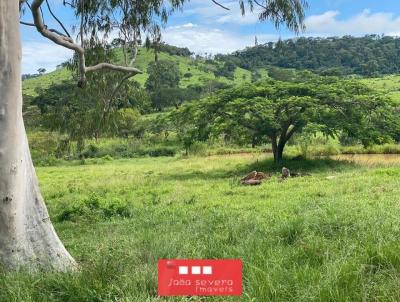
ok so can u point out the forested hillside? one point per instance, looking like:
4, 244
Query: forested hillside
367, 56
371, 55
198, 76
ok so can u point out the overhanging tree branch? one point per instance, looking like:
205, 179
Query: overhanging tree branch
220, 5
33, 25
290, 12
69, 43
113, 67
26, 23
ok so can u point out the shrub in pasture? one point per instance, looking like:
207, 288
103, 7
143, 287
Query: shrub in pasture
95, 207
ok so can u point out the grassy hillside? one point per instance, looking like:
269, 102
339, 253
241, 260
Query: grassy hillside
200, 70
390, 85
29, 86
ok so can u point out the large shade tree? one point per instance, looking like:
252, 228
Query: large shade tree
276, 111
27, 237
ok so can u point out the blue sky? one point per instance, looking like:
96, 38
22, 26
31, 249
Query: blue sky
206, 28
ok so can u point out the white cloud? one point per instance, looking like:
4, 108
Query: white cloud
202, 39
187, 25
325, 21
365, 22
210, 13
238, 19
47, 55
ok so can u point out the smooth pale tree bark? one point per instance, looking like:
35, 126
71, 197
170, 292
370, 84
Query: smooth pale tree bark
27, 237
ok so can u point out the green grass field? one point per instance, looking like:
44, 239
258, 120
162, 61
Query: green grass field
305, 239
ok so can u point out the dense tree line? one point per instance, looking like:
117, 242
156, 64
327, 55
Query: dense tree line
175, 51
369, 56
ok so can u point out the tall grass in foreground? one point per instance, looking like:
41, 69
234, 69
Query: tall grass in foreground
313, 238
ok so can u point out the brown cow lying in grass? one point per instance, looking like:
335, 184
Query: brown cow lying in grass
256, 178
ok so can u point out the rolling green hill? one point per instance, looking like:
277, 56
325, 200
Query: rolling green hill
200, 70
30, 85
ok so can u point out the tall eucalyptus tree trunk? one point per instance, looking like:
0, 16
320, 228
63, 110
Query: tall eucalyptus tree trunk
27, 237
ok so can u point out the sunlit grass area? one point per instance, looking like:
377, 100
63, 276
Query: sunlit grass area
371, 160
330, 236
389, 85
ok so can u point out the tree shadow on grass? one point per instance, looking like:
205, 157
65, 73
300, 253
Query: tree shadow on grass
317, 165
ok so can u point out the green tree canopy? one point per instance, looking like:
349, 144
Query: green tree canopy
162, 74
277, 110
334, 56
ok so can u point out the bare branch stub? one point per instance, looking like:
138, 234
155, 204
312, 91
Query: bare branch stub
69, 43
26, 23
220, 5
